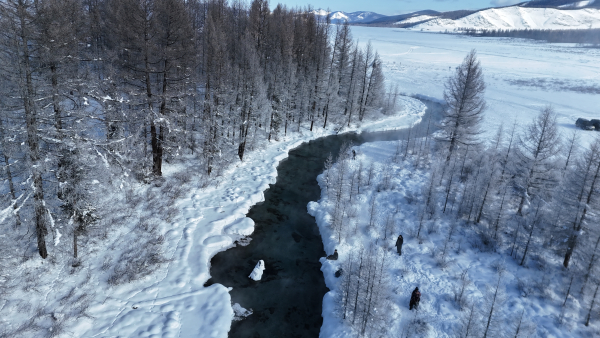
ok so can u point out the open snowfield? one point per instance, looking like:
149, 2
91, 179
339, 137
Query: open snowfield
522, 76
516, 17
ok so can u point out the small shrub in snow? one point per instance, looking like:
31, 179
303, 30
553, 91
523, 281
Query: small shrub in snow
499, 266
525, 287
23, 306
542, 286
470, 322
182, 177
417, 328
405, 271
431, 228
57, 328
461, 287
410, 198
106, 263
68, 296
137, 262
173, 190
476, 244
489, 244
443, 262
521, 326
76, 265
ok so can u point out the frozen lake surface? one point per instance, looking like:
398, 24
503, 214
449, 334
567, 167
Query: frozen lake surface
522, 76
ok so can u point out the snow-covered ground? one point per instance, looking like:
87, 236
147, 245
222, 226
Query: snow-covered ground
420, 264
522, 76
516, 17
171, 302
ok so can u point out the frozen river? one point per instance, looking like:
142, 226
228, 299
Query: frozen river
287, 301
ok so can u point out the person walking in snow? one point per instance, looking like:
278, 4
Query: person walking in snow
353, 154
415, 298
399, 242
333, 257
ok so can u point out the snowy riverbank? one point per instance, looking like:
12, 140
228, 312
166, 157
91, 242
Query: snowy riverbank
390, 203
173, 301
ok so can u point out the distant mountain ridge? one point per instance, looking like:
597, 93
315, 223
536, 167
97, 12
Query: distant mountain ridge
516, 17
535, 14
354, 17
563, 4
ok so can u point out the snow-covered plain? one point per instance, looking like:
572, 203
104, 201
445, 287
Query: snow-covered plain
516, 17
522, 76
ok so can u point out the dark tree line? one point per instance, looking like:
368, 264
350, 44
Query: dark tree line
580, 36
95, 92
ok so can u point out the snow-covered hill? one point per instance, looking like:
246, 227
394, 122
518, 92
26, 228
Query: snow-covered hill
517, 17
560, 3
354, 17
415, 19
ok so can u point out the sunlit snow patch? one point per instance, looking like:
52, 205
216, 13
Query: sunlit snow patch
243, 227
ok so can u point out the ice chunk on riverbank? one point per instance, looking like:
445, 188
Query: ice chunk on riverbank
239, 312
258, 270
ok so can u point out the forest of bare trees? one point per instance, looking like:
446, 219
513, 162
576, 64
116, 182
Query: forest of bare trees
98, 92
529, 193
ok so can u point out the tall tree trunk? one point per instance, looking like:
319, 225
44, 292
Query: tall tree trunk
589, 315
572, 241
489, 319
75, 243
590, 266
28, 93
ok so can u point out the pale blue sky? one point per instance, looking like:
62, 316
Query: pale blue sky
392, 7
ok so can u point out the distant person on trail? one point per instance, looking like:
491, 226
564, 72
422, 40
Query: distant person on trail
353, 154
399, 242
415, 298
333, 257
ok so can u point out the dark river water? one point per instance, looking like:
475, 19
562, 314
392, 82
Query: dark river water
287, 302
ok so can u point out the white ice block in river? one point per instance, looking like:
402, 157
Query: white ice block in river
258, 270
